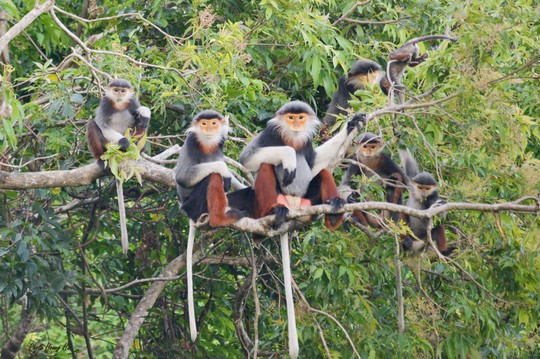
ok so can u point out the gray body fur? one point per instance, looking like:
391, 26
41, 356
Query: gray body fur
193, 166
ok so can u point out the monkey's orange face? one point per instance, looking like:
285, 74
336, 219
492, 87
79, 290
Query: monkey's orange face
296, 121
421, 192
119, 95
371, 149
210, 127
369, 78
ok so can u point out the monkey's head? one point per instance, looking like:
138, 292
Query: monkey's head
211, 127
369, 145
424, 187
363, 72
296, 122
119, 92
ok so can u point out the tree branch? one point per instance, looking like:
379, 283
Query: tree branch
351, 10
25, 22
147, 302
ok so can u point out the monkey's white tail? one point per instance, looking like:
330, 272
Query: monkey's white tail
189, 265
291, 318
122, 212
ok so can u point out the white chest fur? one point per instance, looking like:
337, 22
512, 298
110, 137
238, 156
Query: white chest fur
121, 121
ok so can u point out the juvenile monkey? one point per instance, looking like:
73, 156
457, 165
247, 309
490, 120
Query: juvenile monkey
406, 55
118, 111
423, 194
369, 152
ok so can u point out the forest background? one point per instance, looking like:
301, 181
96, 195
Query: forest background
67, 290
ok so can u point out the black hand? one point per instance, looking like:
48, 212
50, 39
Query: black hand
288, 177
407, 243
359, 121
143, 122
124, 144
281, 215
227, 183
336, 203
353, 197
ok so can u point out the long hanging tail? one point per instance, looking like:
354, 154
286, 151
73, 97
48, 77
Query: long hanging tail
189, 265
291, 318
122, 212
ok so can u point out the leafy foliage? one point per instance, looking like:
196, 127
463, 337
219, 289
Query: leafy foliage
245, 59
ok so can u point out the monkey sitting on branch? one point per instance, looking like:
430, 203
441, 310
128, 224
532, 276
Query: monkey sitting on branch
202, 178
291, 174
423, 194
372, 160
118, 112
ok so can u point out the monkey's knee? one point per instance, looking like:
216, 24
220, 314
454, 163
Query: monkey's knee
225, 219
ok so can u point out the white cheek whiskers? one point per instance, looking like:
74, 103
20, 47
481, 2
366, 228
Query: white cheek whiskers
297, 138
210, 140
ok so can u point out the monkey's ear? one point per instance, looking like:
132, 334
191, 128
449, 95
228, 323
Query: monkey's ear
225, 120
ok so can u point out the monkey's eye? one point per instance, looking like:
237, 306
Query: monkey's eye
291, 118
123, 90
300, 117
214, 123
203, 123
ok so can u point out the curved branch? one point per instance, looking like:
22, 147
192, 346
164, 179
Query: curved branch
430, 38
351, 10
369, 22
147, 302
25, 22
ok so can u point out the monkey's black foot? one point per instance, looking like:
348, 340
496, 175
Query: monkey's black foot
448, 251
418, 60
105, 170
227, 183
353, 197
346, 225
124, 144
132, 192
288, 177
407, 244
359, 121
281, 215
336, 203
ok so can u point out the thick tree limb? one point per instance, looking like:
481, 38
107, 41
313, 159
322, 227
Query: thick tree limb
79, 176
141, 311
262, 226
12, 347
25, 22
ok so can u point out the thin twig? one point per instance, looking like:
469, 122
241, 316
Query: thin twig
311, 309
351, 10
368, 22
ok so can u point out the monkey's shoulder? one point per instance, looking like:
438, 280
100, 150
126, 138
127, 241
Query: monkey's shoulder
269, 137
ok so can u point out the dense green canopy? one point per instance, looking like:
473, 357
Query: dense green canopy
61, 264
